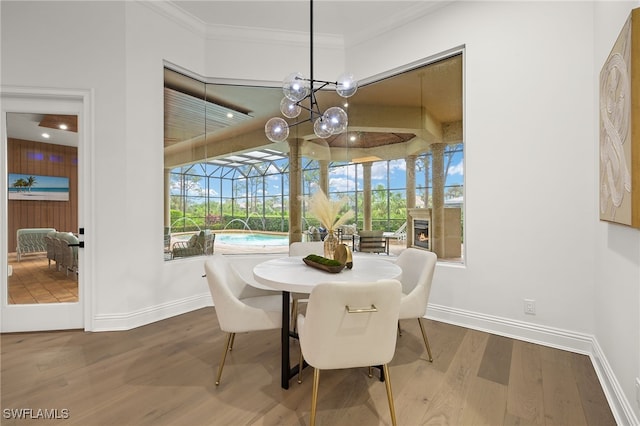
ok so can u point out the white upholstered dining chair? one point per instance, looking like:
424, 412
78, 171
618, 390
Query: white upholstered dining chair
302, 248
350, 325
239, 307
417, 267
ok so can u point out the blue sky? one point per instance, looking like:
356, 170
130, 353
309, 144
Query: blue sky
343, 178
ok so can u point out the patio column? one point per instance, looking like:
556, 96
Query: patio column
366, 196
437, 197
295, 190
324, 176
167, 197
410, 182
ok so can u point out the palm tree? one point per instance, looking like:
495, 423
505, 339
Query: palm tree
31, 181
20, 183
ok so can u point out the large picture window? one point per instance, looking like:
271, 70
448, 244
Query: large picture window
401, 153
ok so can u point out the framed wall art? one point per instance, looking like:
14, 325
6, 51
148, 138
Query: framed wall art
620, 128
38, 188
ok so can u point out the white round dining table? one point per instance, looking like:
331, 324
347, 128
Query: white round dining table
293, 275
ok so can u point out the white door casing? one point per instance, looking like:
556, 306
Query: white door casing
50, 316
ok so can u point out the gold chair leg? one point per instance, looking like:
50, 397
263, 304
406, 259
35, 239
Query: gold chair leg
294, 314
300, 366
233, 340
426, 341
227, 347
370, 372
399, 330
387, 384
314, 395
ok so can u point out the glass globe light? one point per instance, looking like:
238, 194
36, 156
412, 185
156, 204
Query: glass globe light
276, 129
321, 129
295, 87
347, 85
289, 108
336, 119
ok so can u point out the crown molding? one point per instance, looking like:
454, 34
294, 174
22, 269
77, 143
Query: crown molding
403, 16
170, 10
266, 35
174, 13
397, 20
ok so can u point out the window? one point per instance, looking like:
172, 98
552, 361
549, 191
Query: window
403, 146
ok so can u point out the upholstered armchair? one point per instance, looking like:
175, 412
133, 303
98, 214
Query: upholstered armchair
65, 251
198, 244
167, 239
348, 233
31, 240
372, 242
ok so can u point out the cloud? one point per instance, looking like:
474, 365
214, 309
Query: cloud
341, 184
397, 165
379, 168
456, 169
341, 170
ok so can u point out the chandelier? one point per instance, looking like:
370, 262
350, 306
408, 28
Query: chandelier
297, 89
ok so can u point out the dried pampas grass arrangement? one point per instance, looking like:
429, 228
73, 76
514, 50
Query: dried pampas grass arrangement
327, 211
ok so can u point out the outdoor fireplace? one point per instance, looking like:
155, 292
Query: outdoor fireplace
421, 233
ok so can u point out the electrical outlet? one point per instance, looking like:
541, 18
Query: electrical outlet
529, 306
638, 390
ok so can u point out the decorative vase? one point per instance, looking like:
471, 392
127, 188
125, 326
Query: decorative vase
330, 244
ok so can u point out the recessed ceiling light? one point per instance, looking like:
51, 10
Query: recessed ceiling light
46, 135
63, 126
229, 115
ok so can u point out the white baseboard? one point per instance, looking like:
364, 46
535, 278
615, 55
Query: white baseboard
129, 320
620, 405
547, 336
534, 333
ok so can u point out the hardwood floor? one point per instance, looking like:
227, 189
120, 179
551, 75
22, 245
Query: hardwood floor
163, 374
34, 281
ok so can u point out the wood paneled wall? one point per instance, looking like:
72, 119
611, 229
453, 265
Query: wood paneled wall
29, 157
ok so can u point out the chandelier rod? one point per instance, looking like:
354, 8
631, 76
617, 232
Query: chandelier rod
311, 41
312, 99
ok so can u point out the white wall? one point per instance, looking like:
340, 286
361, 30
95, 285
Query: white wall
80, 46
154, 288
529, 105
256, 57
530, 132
617, 248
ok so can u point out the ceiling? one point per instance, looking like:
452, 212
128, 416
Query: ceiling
377, 114
31, 127
338, 18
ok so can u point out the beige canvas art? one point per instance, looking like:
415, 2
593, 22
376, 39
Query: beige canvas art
620, 128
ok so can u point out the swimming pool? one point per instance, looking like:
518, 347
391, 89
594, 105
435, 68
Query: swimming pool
242, 239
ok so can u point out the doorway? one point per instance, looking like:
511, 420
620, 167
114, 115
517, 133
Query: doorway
43, 142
